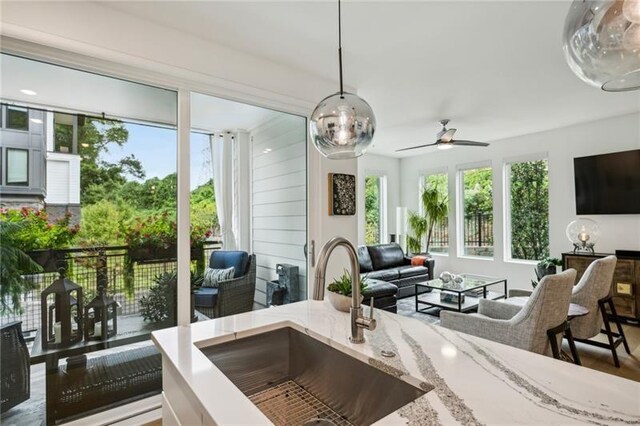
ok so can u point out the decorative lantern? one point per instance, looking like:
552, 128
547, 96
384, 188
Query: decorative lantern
100, 317
583, 233
61, 313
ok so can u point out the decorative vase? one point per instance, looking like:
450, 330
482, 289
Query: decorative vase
341, 302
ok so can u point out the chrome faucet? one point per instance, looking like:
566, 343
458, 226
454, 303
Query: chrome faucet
358, 321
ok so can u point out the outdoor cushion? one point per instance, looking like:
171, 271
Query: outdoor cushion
213, 276
221, 259
384, 275
384, 256
412, 271
364, 259
206, 296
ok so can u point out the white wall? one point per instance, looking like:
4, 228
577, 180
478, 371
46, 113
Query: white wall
377, 165
561, 146
279, 198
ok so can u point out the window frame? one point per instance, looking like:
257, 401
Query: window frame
422, 175
460, 211
5, 120
506, 204
382, 188
6, 169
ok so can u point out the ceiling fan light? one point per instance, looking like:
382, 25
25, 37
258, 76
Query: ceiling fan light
342, 126
445, 145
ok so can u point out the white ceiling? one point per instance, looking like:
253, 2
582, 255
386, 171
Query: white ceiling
212, 114
495, 68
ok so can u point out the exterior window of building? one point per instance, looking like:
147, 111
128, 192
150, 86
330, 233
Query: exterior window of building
63, 132
439, 236
527, 207
477, 212
17, 118
17, 166
374, 210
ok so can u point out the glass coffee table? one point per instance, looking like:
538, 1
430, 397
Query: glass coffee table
464, 299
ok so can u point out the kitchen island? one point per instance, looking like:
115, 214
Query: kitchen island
470, 380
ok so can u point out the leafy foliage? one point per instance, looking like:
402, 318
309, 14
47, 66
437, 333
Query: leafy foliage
478, 191
530, 210
343, 285
372, 209
435, 208
37, 231
160, 304
15, 263
103, 223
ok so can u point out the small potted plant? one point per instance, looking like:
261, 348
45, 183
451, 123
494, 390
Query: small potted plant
340, 291
546, 266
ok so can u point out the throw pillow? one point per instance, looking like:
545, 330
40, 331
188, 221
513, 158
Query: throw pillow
213, 276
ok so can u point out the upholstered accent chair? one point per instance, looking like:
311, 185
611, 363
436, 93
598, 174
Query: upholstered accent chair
15, 370
593, 291
522, 327
232, 296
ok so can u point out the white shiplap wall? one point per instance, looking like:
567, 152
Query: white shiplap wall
279, 199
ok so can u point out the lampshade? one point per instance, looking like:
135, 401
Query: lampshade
342, 126
583, 233
602, 43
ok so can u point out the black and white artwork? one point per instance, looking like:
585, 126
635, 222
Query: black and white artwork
342, 194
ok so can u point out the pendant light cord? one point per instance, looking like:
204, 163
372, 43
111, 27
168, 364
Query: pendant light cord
340, 49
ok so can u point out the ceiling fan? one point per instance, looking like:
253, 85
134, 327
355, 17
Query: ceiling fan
445, 139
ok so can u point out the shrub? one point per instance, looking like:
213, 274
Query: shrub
103, 224
37, 232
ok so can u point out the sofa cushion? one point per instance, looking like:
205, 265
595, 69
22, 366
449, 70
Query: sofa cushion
384, 256
378, 288
206, 296
221, 259
364, 259
412, 271
384, 275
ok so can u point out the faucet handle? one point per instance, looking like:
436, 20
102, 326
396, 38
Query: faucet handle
371, 308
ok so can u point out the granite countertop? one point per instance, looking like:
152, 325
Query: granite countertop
474, 381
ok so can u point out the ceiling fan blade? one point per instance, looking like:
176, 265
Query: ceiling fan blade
469, 143
448, 135
416, 147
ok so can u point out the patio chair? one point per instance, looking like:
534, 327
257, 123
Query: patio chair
15, 370
525, 328
232, 296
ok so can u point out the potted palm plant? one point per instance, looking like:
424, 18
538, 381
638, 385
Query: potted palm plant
435, 208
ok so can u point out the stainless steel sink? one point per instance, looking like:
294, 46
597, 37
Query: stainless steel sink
295, 379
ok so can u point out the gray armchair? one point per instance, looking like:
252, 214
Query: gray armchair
232, 296
522, 327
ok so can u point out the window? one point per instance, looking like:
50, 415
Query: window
477, 212
17, 166
527, 207
374, 209
17, 118
438, 236
63, 132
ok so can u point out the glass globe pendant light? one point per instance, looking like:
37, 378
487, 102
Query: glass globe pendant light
602, 43
343, 124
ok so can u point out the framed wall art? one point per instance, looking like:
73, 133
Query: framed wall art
342, 194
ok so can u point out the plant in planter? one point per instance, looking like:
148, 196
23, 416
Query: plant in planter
40, 237
544, 267
160, 305
340, 291
435, 208
13, 268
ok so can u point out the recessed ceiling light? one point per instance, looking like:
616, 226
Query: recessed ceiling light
28, 92
36, 120
267, 150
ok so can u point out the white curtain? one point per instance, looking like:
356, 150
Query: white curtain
222, 163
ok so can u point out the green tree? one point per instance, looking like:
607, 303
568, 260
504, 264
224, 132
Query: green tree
478, 191
435, 208
530, 210
372, 209
100, 178
103, 223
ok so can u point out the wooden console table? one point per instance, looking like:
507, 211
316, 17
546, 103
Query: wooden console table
625, 286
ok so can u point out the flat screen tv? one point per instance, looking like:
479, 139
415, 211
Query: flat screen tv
608, 183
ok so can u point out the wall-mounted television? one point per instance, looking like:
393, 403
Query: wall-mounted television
608, 183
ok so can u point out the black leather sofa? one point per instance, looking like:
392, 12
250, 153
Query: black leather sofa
387, 263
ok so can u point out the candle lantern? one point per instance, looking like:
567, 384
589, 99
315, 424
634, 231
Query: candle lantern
101, 317
61, 313
583, 233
